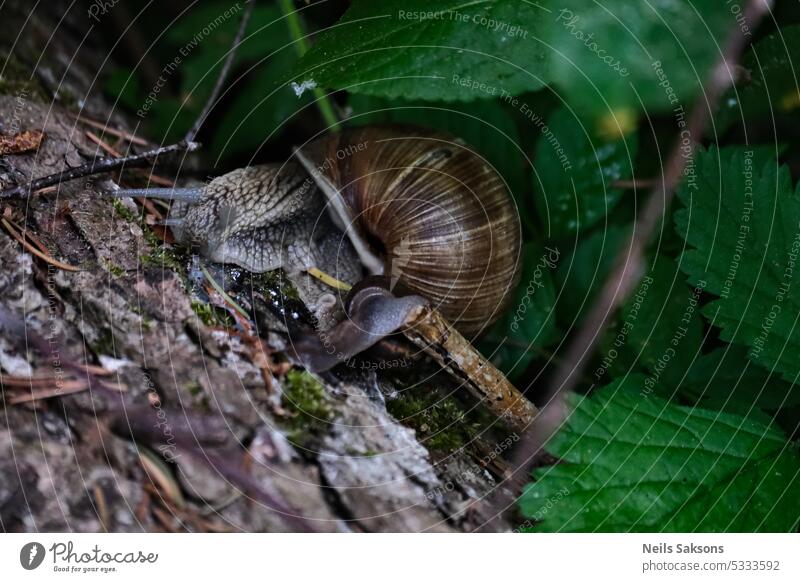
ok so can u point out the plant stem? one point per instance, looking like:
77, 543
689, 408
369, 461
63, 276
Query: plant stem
300, 38
223, 75
218, 288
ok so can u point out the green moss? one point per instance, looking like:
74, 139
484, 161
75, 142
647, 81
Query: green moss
199, 396
67, 98
161, 256
123, 211
439, 421
104, 343
211, 315
305, 399
194, 388
115, 270
368, 453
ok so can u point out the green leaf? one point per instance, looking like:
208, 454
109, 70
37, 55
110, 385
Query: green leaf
463, 50
487, 126
622, 54
726, 380
530, 321
771, 82
742, 218
659, 329
453, 50
574, 170
636, 463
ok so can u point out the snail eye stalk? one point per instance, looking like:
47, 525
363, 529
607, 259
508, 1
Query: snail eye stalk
181, 194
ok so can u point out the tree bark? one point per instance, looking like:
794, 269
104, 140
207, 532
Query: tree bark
125, 333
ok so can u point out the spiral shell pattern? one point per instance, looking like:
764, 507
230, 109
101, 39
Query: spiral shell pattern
437, 215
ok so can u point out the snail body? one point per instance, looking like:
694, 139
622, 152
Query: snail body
415, 205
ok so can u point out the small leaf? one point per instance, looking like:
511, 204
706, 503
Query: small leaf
412, 49
574, 172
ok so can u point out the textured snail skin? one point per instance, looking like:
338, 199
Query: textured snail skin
263, 218
448, 228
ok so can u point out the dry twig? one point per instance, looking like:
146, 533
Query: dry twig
14, 231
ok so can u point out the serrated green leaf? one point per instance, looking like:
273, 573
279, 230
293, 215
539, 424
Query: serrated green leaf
726, 379
415, 49
635, 463
742, 218
596, 53
530, 322
574, 171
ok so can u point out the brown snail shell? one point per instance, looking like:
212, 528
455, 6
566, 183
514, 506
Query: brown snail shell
422, 208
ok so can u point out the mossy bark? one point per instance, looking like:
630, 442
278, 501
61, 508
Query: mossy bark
331, 450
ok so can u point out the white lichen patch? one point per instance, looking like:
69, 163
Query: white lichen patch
300, 88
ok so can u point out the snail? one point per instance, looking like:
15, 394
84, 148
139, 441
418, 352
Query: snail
429, 220
415, 205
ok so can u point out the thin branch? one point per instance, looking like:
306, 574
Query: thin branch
631, 262
226, 67
97, 166
104, 165
640, 184
104, 128
224, 295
